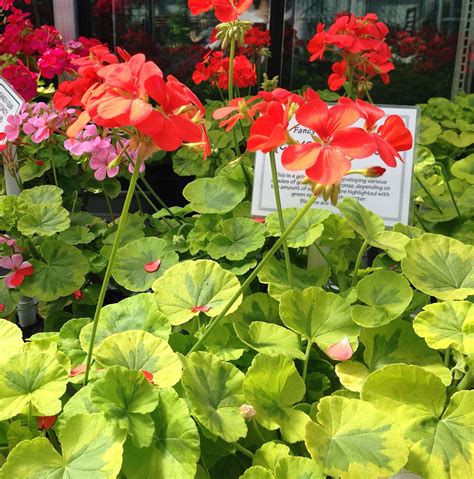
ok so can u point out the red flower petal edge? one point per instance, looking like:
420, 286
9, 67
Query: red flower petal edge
148, 375
152, 266
200, 309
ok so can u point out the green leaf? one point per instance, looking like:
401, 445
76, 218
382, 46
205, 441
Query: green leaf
387, 295
306, 232
353, 440
269, 338
139, 350
77, 235
273, 395
270, 454
215, 392
174, 451
257, 307
447, 324
223, 342
80, 403
257, 472
11, 340
320, 317
393, 243
429, 131
214, 195
352, 374
69, 342
129, 267
31, 377
440, 266
440, 438
44, 220
9, 298
292, 467
239, 237
60, 271
138, 312
274, 274
42, 195
90, 448
460, 140
193, 286
397, 343
366, 223
9, 212
464, 169
125, 397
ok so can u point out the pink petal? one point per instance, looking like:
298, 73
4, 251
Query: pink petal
200, 309
152, 266
341, 351
77, 370
17, 259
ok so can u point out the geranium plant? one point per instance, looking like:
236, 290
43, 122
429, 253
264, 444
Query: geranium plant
228, 356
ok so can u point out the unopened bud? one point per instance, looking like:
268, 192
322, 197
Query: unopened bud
341, 351
372, 172
247, 412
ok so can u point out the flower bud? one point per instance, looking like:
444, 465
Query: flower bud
341, 351
374, 171
247, 412
46, 422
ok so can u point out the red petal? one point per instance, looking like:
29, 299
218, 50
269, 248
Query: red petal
331, 165
340, 117
300, 157
200, 309
46, 422
153, 266
354, 142
77, 370
313, 115
148, 376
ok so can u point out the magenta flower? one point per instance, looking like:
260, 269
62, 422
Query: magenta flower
88, 141
40, 127
341, 351
20, 269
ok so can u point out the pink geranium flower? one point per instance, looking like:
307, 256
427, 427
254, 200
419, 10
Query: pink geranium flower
100, 161
12, 128
20, 269
40, 127
88, 141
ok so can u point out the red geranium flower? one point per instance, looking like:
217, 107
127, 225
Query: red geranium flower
393, 136
225, 10
328, 158
338, 77
20, 269
46, 422
269, 131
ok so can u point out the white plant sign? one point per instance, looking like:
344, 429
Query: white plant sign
389, 196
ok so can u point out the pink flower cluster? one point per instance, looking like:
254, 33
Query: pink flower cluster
102, 152
39, 120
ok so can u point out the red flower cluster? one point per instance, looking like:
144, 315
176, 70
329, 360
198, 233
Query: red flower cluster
122, 96
225, 10
337, 141
361, 42
42, 47
426, 50
215, 68
255, 38
7, 4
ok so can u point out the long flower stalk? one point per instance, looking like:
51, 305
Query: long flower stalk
110, 264
276, 190
254, 273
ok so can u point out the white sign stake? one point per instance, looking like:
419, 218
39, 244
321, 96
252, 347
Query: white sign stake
388, 196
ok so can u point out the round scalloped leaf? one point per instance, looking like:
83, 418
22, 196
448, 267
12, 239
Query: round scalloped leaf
214, 195
367, 224
33, 377
174, 451
139, 350
274, 274
393, 242
131, 268
214, 389
440, 438
321, 317
269, 454
447, 324
191, 287
238, 237
440, 266
386, 295
257, 472
412, 395
296, 467
138, 312
60, 272
44, 220
269, 338
90, 446
272, 386
11, 340
305, 233
397, 343
257, 307
464, 169
353, 440
69, 342
352, 374
125, 397
77, 235
42, 195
